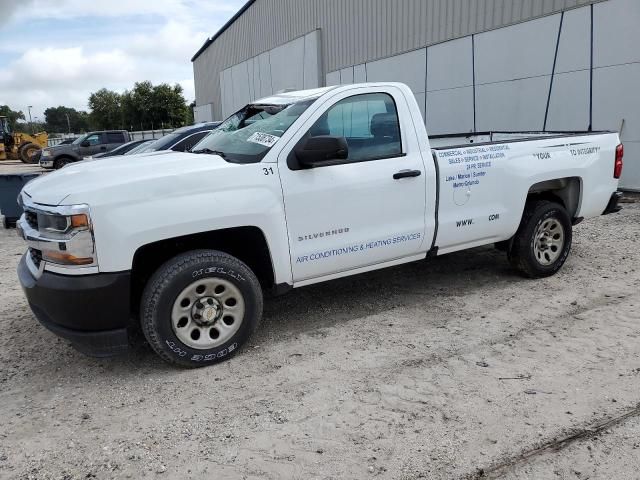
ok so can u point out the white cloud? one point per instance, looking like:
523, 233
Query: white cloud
46, 73
175, 41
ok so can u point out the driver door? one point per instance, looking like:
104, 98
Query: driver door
96, 145
359, 212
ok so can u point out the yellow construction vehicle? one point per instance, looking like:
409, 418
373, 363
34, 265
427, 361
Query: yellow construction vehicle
20, 146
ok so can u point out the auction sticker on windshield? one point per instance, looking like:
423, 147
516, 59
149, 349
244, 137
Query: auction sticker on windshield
263, 139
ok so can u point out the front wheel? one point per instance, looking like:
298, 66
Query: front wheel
61, 162
543, 241
200, 307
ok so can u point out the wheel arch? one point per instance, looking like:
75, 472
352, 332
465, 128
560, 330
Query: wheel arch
62, 156
247, 243
567, 191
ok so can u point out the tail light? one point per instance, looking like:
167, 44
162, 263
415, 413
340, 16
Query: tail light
617, 167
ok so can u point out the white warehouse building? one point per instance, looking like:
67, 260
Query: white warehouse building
473, 65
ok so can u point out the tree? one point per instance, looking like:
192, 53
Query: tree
147, 106
143, 107
12, 115
106, 111
65, 119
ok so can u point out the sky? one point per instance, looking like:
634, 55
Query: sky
56, 52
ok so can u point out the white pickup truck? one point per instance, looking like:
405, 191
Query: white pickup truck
294, 189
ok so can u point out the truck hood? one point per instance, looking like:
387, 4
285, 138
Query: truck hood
56, 149
82, 181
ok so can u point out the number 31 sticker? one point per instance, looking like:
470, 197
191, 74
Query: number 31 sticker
263, 139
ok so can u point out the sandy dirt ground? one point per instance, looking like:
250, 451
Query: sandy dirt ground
455, 368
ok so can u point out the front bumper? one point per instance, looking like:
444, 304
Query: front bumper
91, 311
46, 162
612, 206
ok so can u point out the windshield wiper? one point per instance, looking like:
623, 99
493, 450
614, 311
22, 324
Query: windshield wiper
209, 151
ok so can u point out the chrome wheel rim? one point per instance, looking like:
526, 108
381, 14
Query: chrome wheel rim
207, 313
548, 241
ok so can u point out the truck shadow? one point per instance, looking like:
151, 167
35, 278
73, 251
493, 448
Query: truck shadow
410, 285
311, 309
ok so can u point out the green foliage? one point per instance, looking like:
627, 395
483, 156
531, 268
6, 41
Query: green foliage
143, 107
64, 119
106, 109
12, 115
147, 106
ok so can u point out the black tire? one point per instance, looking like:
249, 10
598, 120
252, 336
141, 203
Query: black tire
27, 152
58, 163
162, 292
522, 254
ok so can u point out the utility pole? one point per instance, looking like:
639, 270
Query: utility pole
30, 122
68, 123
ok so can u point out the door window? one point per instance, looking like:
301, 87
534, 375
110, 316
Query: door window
95, 139
115, 137
368, 122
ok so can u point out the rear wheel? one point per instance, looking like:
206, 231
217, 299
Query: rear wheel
27, 152
543, 241
200, 307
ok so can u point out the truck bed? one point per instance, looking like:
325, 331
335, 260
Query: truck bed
484, 179
460, 140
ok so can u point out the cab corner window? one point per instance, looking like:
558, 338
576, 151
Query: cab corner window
368, 123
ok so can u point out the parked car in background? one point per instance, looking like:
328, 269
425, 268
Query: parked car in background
182, 139
123, 149
84, 146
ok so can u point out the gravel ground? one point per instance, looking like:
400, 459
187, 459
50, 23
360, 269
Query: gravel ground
454, 368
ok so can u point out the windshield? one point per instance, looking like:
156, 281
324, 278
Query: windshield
79, 140
247, 135
139, 148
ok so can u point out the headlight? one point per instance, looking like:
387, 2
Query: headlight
46, 153
63, 234
62, 225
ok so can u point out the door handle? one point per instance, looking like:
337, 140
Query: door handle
103, 148
406, 174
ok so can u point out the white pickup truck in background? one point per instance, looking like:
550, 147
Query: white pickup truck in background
293, 189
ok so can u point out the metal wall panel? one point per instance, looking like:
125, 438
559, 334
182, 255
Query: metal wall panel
293, 65
450, 111
359, 73
512, 105
408, 68
520, 51
569, 102
631, 172
333, 78
616, 98
616, 33
574, 51
450, 65
346, 76
357, 31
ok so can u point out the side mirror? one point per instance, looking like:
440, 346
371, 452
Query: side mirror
85, 144
321, 150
